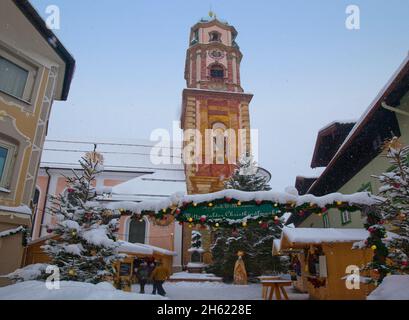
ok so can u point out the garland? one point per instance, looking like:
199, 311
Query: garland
181, 213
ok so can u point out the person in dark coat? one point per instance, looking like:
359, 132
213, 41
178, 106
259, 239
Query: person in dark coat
143, 275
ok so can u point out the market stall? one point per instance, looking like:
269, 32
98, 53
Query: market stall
324, 256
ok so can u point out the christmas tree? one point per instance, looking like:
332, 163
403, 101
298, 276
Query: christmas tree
196, 240
255, 239
84, 246
391, 214
246, 176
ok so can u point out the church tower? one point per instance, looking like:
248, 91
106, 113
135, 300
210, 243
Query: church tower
214, 106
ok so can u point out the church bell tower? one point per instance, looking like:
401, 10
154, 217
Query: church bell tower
214, 106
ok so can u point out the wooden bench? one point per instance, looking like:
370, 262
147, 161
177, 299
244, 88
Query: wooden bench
275, 286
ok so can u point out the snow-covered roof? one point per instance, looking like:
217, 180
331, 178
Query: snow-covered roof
143, 188
321, 235
139, 248
119, 155
362, 198
23, 209
179, 198
300, 237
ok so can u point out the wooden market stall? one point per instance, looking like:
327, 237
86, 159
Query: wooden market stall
324, 255
35, 254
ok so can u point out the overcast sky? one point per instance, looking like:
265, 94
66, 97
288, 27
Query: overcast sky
303, 66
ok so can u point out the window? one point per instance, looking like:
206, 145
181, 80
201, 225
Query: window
220, 146
217, 72
195, 36
17, 76
13, 78
325, 220
7, 154
345, 217
214, 36
137, 231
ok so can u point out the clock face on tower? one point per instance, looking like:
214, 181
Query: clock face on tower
216, 54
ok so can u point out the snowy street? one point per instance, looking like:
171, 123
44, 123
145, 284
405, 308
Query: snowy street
215, 291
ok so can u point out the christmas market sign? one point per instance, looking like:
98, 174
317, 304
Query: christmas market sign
230, 207
230, 211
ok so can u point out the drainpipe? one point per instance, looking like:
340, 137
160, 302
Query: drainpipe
45, 200
393, 109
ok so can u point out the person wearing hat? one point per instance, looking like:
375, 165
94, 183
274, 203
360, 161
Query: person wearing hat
159, 275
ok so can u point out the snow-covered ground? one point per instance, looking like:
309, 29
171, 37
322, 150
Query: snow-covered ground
215, 291
69, 290
194, 276
393, 287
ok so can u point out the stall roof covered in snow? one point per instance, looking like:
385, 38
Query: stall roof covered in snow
299, 237
323, 235
139, 248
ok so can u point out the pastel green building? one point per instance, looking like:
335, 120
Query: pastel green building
352, 152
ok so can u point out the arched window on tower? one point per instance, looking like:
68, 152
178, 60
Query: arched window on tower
220, 146
137, 231
215, 36
217, 72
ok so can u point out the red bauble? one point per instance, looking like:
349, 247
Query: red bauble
301, 213
49, 230
405, 263
177, 211
396, 185
277, 221
70, 190
324, 209
228, 199
258, 202
202, 219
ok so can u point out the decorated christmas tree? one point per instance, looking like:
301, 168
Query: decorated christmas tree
255, 239
84, 246
247, 177
196, 242
392, 214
